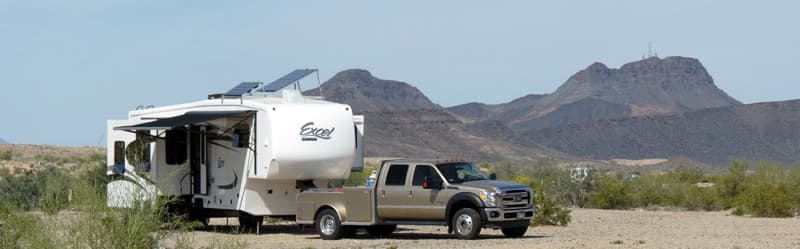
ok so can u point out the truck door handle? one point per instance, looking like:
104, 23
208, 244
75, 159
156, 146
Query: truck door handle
383, 193
409, 194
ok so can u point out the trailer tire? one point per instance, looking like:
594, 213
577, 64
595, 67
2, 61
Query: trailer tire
381, 230
328, 225
514, 232
467, 223
250, 223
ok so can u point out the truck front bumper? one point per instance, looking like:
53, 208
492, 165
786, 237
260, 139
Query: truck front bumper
501, 215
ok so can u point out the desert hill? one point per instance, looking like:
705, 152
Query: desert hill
402, 122
762, 131
366, 93
651, 108
652, 86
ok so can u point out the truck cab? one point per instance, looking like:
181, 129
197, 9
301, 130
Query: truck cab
455, 194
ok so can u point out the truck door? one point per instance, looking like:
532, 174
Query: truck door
393, 193
426, 204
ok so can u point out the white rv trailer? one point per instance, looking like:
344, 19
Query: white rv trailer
245, 153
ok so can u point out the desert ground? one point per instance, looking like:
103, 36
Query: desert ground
590, 228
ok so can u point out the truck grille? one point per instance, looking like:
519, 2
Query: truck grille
516, 198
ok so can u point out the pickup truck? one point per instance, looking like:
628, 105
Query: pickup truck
455, 194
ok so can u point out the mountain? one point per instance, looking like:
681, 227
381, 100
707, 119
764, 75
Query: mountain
651, 86
480, 111
434, 133
762, 131
649, 109
366, 93
402, 122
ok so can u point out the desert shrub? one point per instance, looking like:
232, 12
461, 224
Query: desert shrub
732, 184
769, 193
24, 230
738, 211
95, 176
6, 155
55, 193
699, 198
22, 190
136, 227
550, 212
546, 190
612, 193
767, 200
98, 226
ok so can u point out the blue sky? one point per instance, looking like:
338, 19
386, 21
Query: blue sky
67, 66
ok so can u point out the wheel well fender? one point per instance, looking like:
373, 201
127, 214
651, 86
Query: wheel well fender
462, 200
326, 206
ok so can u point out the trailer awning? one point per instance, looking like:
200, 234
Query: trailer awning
188, 118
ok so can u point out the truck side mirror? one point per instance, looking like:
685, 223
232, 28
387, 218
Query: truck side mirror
434, 183
492, 176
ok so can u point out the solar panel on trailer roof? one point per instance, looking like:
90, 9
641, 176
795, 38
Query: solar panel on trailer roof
286, 80
242, 88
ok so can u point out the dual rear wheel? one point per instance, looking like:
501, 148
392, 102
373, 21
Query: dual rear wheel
329, 227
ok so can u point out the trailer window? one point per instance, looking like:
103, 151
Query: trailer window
241, 136
396, 175
176, 147
119, 152
138, 152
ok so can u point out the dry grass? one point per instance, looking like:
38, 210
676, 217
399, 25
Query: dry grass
39, 157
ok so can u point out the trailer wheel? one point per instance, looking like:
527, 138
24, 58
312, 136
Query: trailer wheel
514, 232
381, 230
328, 225
467, 223
250, 223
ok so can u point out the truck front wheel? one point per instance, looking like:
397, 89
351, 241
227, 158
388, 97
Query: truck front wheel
328, 225
467, 223
514, 232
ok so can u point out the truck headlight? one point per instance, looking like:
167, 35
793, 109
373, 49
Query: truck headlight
489, 198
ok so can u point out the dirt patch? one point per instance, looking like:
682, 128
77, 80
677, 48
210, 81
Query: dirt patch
640, 162
23, 157
590, 229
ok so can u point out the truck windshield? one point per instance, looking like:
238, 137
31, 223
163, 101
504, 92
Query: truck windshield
460, 172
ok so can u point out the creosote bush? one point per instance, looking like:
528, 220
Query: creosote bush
769, 191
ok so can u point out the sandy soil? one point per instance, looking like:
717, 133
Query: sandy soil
589, 229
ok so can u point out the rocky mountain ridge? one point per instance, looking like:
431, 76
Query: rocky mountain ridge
757, 132
653, 108
366, 93
652, 86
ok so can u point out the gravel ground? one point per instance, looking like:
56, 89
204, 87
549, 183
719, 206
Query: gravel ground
589, 229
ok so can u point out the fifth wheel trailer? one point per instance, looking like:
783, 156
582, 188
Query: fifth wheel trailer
246, 153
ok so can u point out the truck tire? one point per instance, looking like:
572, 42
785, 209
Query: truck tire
514, 232
328, 225
467, 223
381, 230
